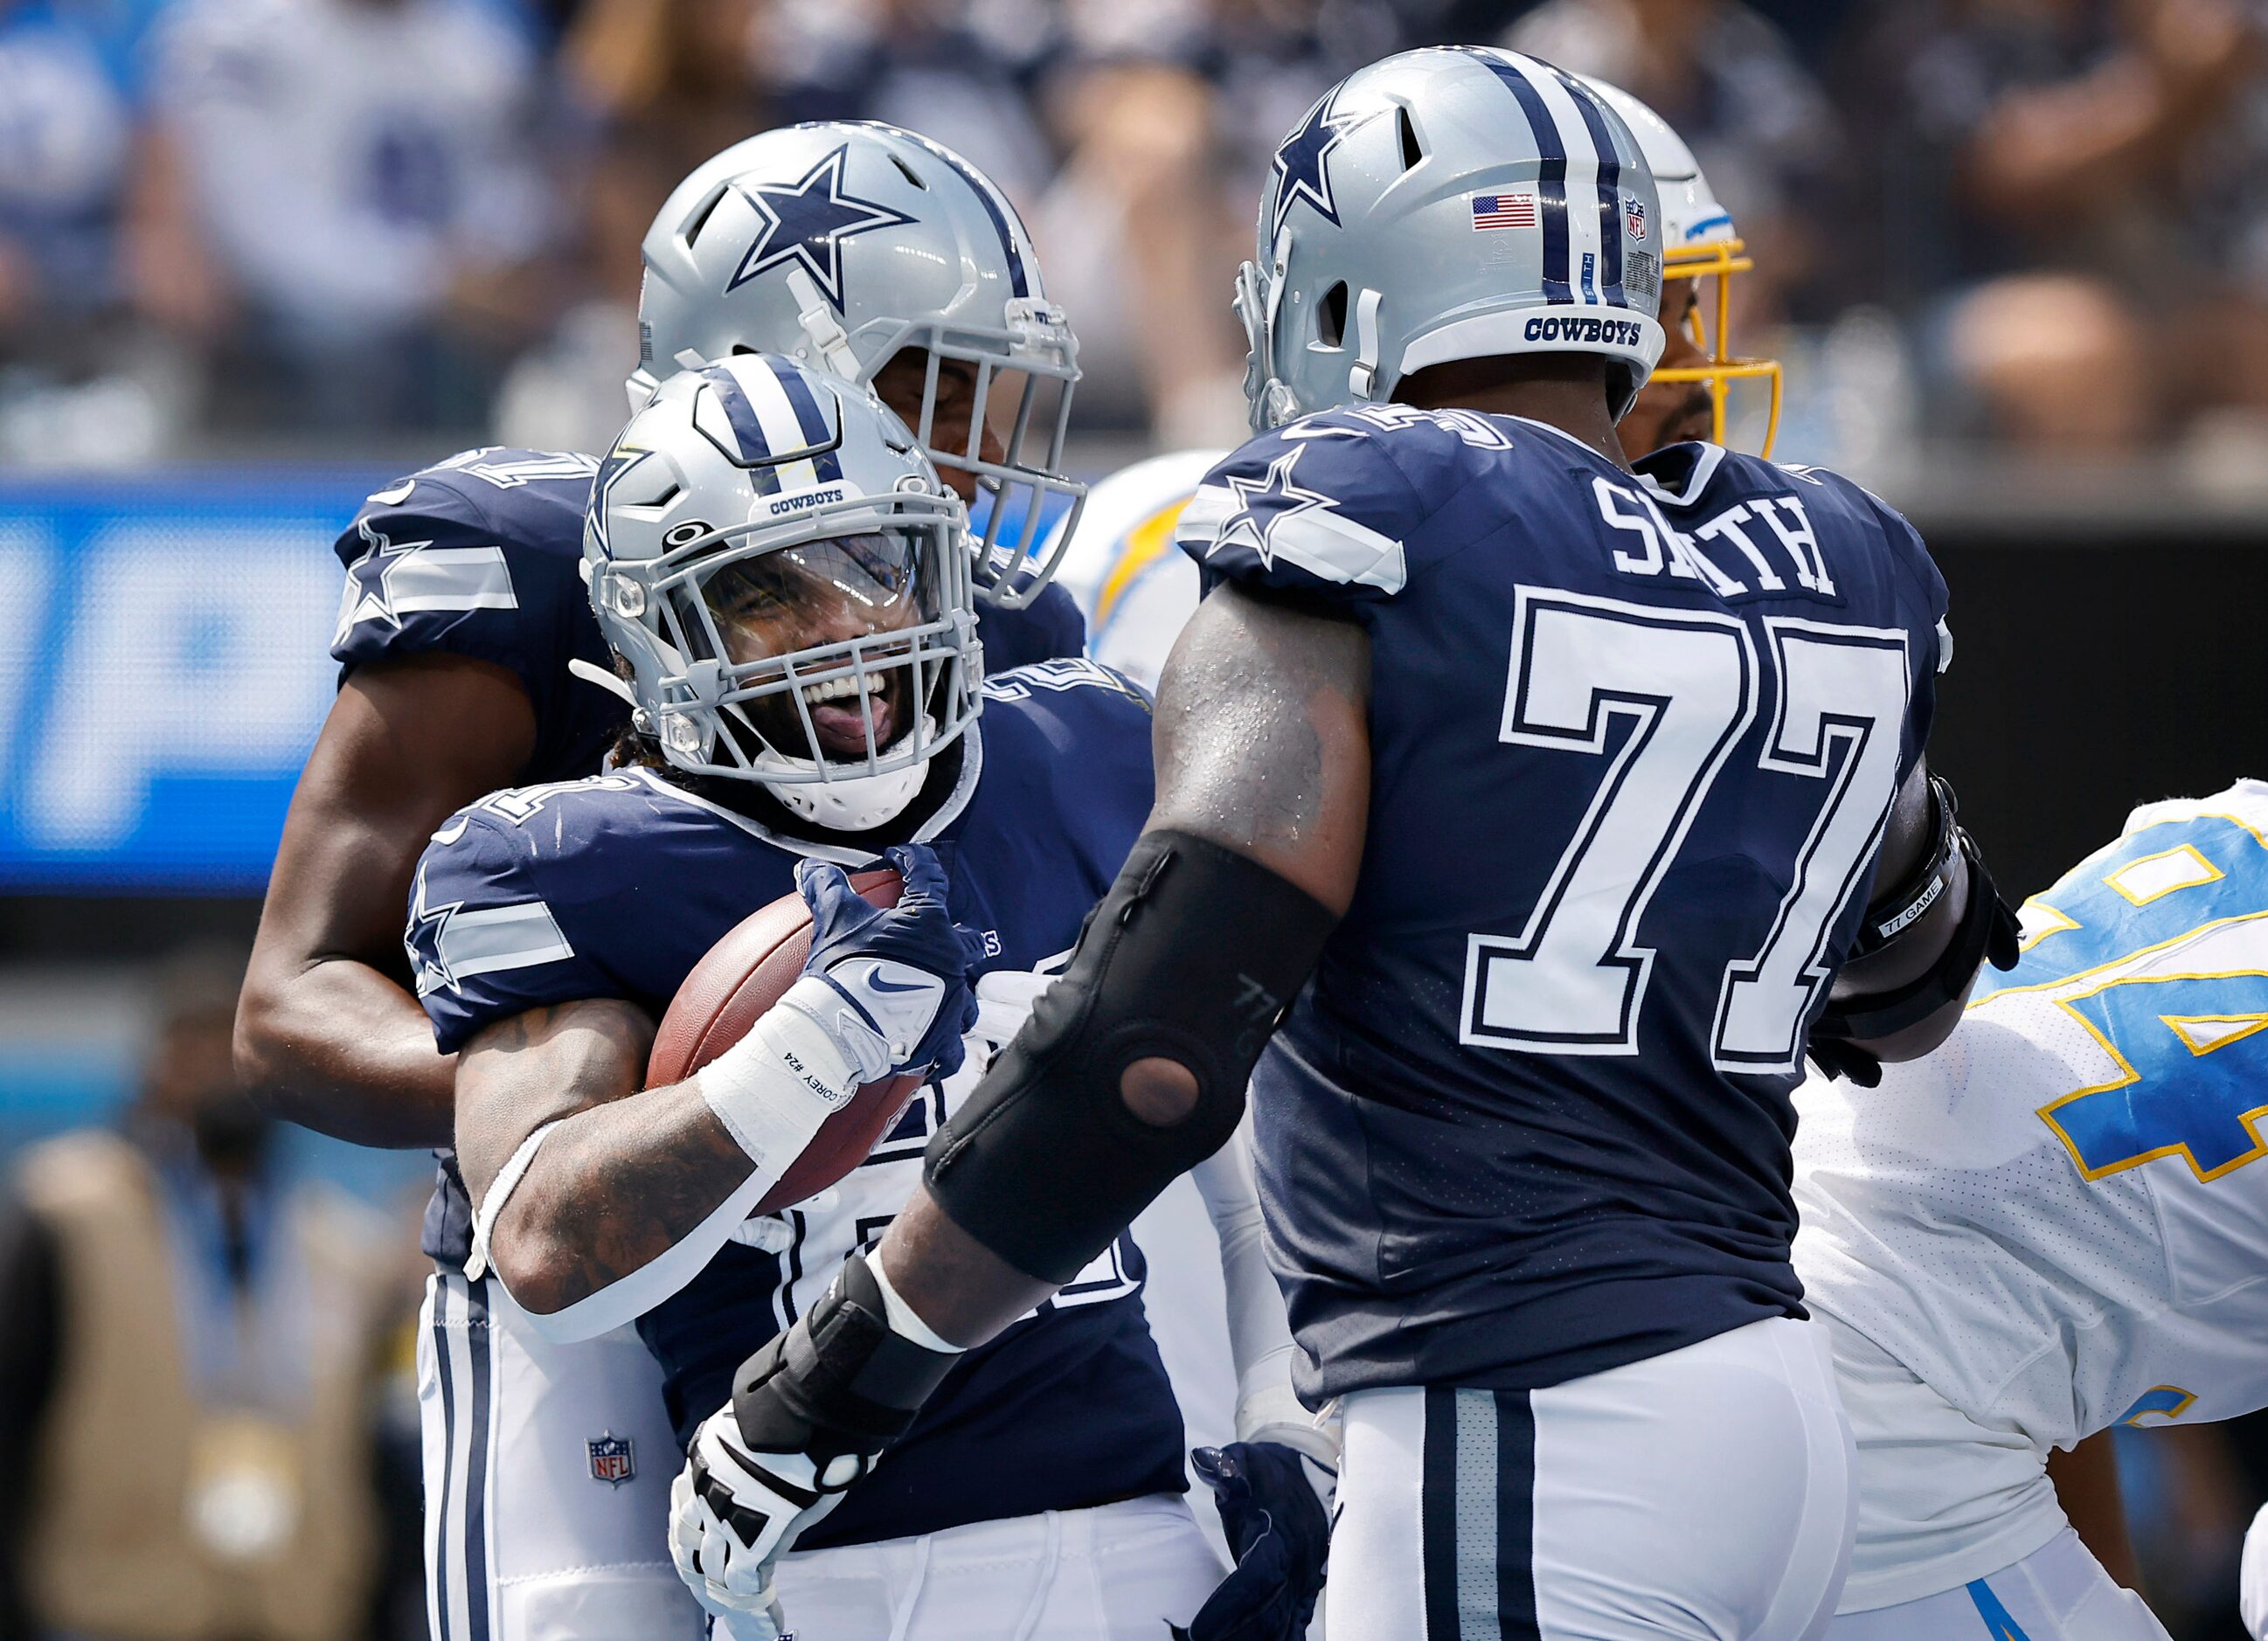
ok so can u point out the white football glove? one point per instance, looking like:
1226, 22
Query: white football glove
732, 1514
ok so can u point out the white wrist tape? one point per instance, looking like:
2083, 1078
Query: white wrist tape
772, 1089
500, 1193
903, 1322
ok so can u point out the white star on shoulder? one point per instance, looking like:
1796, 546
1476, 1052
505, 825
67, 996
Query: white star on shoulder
369, 594
1246, 526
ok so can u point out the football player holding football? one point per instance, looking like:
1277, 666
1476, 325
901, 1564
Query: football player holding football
1523, 975
464, 619
780, 571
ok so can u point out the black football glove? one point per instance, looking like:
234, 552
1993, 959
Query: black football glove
1279, 1534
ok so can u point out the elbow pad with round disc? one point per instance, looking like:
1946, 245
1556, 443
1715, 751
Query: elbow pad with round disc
1194, 957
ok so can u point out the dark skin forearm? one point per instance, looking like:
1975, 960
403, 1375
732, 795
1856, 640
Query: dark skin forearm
327, 1033
627, 1175
1262, 745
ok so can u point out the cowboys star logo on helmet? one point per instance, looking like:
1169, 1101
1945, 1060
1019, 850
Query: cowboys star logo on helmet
848, 245
808, 224
1302, 161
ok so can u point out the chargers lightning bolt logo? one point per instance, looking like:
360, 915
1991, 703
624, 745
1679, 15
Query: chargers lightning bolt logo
807, 222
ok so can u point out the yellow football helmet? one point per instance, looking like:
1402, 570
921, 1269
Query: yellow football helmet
1698, 242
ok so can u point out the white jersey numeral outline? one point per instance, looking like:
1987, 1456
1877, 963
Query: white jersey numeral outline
1574, 980
1846, 684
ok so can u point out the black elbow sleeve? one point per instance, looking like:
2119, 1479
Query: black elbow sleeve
1987, 932
1193, 957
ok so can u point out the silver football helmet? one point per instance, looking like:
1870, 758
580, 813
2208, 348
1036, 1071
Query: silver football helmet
1456, 203
782, 570
839, 244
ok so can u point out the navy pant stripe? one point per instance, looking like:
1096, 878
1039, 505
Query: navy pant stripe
1515, 1516
442, 1548
478, 1337
1437, 1491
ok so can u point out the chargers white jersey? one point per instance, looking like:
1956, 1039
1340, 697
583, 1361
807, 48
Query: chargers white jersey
2053, 1220
1136, 590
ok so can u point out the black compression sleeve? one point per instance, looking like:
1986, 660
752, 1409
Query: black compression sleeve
1194, 956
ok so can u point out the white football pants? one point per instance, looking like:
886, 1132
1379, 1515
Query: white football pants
1117, 1572
1707, 1494
547, 1479
2058, 1593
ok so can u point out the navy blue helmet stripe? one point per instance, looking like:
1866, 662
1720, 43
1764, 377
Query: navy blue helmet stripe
1018, 283
1550, 175
1610, 185
746, 429
812, 420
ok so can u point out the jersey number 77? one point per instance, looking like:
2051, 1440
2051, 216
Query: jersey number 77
1574, 980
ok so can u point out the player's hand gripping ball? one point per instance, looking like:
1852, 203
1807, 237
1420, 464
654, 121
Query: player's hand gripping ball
885, 943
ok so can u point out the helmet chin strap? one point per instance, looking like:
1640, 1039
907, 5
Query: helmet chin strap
1362, 376
853, 804
816, 315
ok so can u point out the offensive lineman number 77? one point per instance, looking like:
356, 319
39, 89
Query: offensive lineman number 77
1574, 980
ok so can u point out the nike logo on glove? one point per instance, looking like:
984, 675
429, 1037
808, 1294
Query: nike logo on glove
877, 983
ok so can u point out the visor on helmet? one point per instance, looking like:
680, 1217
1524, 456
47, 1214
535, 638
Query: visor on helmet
833, 657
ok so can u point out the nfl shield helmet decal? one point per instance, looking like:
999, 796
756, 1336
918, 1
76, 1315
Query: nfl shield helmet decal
612, 1460
1634, 216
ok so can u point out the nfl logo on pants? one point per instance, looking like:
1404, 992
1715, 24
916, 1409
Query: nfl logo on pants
611, 1458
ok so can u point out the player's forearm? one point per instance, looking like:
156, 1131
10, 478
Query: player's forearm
615, 1188
341, 1048
960, 1288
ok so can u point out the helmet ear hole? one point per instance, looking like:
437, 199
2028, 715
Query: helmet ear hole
1330, 316
1413, 150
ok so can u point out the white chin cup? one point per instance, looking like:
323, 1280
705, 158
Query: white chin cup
858, 803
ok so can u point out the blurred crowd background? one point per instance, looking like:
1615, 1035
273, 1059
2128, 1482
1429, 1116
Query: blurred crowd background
257, 257
263, 226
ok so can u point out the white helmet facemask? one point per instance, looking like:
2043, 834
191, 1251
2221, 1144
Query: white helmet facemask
788, 580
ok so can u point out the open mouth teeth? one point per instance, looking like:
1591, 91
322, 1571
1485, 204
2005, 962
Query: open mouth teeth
841, 690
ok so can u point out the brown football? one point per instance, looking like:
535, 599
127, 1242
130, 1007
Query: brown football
743, 974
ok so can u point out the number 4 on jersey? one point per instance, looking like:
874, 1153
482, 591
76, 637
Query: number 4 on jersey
1574, 980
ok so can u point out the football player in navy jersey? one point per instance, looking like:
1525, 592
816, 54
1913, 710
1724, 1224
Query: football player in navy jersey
779, 569
463, 614
1522, 819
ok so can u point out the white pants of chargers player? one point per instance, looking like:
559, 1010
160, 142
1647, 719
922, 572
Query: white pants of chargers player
1704, 1493
547, 1479
1941, 1498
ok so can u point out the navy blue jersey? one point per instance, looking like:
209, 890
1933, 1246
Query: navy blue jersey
1634, 739
615, 887
482, 555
